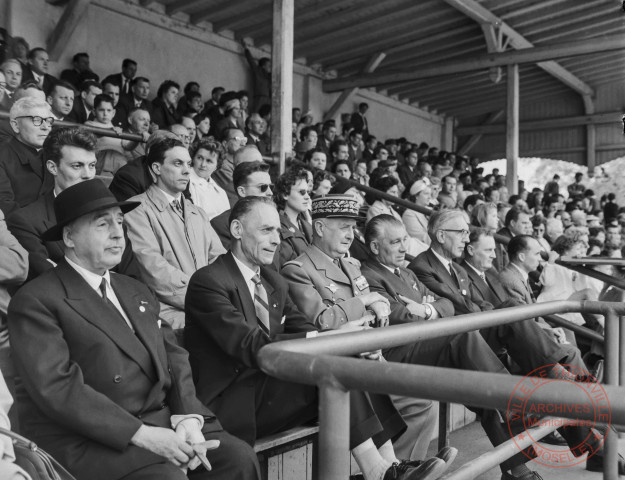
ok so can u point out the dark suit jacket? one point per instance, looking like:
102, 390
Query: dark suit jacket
222, 227
89, 383
23, 177
27, 224
78, 113
490, 291
390, 286
435, 276
126, 104
262, 144
293, 241
163, 116
406, 176
359, 124
117, 79
222, 333
130, 180
72, 76
48, 80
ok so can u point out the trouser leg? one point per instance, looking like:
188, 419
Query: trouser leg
421, 420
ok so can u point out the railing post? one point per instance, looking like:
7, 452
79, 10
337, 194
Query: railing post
611, 377
334, 460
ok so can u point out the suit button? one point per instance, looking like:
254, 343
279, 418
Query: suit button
117, 378
237, 370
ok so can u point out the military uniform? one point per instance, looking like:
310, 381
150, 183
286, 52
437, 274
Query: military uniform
324, 290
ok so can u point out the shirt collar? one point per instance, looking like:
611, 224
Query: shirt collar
168, 197
476, 270
94, 280
246, 271
443, 260
523, 273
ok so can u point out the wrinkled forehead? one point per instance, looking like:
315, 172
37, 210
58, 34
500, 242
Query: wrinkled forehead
37, 112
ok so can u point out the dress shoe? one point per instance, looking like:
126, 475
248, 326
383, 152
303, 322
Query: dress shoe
595, 463
554, 438
531, 475
430, 469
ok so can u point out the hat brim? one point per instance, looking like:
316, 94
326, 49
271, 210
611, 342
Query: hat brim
55, 233
354, 216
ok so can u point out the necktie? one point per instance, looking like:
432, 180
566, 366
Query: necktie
103, 291
482, 276
177, 207
453, 274
261, 304
397, 272
125, 87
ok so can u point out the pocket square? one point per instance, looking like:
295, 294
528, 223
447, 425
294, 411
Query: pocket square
283, 319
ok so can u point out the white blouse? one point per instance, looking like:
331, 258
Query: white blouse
207, 195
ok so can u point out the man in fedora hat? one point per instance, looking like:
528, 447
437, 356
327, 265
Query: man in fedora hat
105, 389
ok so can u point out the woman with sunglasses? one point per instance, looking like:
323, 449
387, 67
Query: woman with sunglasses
206, 157
292, 196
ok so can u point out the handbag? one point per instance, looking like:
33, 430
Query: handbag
35, 461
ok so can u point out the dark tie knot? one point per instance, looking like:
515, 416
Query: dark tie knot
256, 280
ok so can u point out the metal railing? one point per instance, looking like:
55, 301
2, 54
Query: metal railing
321, 361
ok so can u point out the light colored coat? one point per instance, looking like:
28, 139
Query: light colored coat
169, 249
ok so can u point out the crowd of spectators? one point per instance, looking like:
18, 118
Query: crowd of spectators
210, 223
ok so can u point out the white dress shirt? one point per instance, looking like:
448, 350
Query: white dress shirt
94, 280
207, 195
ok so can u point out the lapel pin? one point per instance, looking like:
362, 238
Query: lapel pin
275, 305
142, 309
143, 302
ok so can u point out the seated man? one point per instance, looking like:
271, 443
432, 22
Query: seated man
69, 154
330, 290
250, 178
171, 237
13, 271
23, 177
234, 308
528, 346
106, 390
233, 140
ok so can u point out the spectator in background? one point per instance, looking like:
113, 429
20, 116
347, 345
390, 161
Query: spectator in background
610, 209
124, 79
256, 134
202, 126
408, 172
339, 152
120, 119
23, 177
416, 223
576, 189
613, 235
83, 105
12, 70
104, 113
185, 103
171, 237
341, 169
322, 183
164, 105
355, 147
19, 51
206, 157
368, 153
37, 70
61, 99
233, 141
244, 99
539, 226
381, 206
292, 197
5, 104
81, 71
359, 122
140, 88
552, 188
138, 124
261, 75
448, 197
328, 135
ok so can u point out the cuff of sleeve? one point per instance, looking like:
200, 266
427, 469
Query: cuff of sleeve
177, 419
312, 334
435, 313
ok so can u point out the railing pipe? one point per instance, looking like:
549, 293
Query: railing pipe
334, 463
500, 453
394, 335
104, 132
609, 279
578, 329
611, 377
479, 389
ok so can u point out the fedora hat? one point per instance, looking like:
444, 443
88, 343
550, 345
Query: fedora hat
335, 206
80, 199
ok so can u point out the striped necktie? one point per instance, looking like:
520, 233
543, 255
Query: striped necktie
261, 304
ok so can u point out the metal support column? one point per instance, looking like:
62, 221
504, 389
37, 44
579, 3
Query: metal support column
611, 377
282, 79
334, 463
512, 129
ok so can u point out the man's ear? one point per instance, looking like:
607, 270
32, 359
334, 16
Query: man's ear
236, 229
318, 227
470, 249
52, 167
374, 247
14, 126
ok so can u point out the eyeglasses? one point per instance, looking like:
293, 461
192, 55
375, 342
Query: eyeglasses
238, 139
304, 192
263, 187
463, 233
37, 121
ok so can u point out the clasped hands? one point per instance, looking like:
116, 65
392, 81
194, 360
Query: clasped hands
185, 447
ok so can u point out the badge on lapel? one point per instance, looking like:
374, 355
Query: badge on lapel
333, 288
158, 322
415, 287
361, 283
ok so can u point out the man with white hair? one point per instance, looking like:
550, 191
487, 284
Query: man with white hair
138, 124
23, 177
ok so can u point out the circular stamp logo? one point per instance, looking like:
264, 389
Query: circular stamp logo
526, 418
